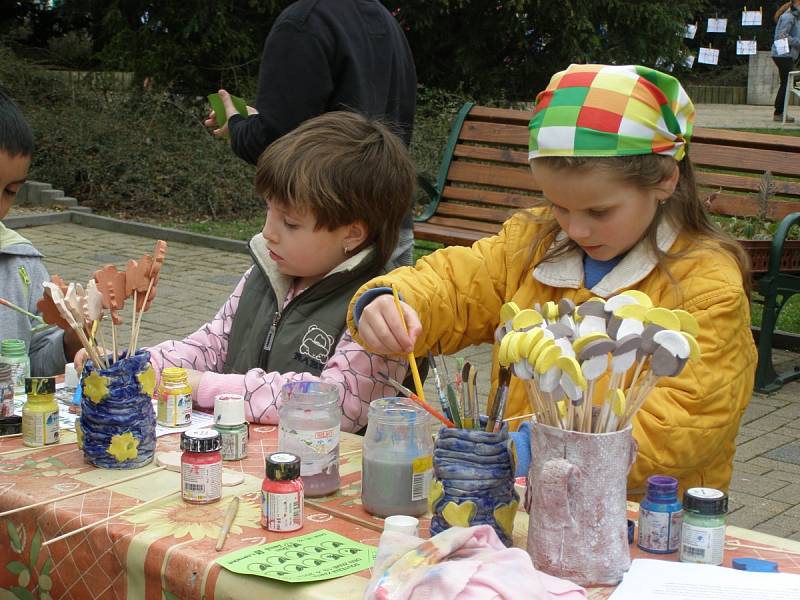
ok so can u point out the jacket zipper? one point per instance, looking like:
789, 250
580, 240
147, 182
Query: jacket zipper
271, 333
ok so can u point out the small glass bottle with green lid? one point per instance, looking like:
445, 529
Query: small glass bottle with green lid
13, 352
703, 530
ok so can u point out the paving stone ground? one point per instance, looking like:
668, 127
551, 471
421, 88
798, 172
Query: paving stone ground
765, 490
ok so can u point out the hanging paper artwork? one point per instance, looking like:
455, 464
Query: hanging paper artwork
717, 26
708, 56
781, 46
688, 62
690, 31
745, 47
751, 18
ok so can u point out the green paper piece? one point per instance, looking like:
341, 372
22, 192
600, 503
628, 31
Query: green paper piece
311, 557
219, 108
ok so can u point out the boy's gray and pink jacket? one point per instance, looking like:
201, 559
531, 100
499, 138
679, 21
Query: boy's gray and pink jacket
267, 334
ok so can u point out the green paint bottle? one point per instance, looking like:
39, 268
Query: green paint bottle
703, 530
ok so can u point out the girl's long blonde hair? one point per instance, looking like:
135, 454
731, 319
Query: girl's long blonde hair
683, 209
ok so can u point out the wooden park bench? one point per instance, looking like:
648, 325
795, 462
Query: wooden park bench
484, 177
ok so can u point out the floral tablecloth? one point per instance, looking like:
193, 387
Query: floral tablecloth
166, 550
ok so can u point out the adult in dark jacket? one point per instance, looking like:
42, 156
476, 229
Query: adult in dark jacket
326, 55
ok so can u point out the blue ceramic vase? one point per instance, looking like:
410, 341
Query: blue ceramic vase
473, 481
118, 424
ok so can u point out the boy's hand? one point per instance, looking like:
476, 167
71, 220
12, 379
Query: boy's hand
382, 330
230, 110
194, 378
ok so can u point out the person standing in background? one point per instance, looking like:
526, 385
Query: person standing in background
322, 56
787, 28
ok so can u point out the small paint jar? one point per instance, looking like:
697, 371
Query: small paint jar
14, 353
282, 493
6, 390
660, 516
174, 398
232, 426
201, 466
40, 412
703, 531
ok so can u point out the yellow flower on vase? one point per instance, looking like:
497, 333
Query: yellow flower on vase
175, 518
124, 447
147, 379
95, 387
79, 433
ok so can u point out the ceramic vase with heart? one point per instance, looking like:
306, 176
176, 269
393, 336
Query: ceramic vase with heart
474, 481
117, 428
576, 497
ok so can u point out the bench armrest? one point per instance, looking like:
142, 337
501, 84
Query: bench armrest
433, 195
776, 252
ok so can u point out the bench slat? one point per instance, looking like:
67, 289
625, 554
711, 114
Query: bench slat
502, 155
495, 133
491, 175
746, 139
446, 235
477, 213
734, 205
755, 160
487, 197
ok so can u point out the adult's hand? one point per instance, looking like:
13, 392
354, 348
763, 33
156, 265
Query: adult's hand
230, 110
382, 330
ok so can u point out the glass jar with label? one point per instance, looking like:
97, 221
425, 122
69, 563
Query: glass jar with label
15, 354
660, 516
703, 531
201, 466
6, 390
174, 398
309, 421
40, 412
397, 458
282, 493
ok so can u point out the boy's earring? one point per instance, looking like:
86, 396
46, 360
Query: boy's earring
346, 250
662, 202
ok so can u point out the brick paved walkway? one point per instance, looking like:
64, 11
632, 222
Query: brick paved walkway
765, 491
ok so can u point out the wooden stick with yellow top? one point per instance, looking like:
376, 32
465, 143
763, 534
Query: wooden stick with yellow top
412, 362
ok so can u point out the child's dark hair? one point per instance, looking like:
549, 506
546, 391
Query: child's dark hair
683, 209
16, 137
343, 167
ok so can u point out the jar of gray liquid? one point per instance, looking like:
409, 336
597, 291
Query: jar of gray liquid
397, 459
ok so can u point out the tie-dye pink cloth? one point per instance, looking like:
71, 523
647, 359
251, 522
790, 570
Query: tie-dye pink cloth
460, 563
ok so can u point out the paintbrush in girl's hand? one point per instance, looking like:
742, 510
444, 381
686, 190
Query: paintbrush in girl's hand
412, 362
413, 397
19, 309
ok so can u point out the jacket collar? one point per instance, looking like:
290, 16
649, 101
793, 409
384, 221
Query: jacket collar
639, 262
281, 283
13, 243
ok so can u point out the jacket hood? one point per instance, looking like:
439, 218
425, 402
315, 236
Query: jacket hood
13, 243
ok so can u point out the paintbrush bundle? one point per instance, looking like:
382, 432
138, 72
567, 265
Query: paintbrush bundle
70, 306
564, 351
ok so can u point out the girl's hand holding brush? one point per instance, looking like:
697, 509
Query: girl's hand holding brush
382, 330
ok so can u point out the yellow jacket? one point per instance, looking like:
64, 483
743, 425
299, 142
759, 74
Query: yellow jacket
688, 425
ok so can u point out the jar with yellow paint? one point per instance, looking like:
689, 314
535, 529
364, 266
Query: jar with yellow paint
40, 412
174, 398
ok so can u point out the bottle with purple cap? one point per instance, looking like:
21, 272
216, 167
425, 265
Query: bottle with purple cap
660, 516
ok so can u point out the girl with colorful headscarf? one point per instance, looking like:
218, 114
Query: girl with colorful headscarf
609, 148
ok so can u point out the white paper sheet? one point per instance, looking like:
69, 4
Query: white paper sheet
745, 47
751, 17
781, 46
688, 62
708, 56
650, 579
717, 25
690, 31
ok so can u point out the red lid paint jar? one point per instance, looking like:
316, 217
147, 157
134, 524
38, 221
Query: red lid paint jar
282, 493
201, 466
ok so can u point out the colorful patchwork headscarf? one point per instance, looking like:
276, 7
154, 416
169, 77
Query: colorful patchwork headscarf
602, 110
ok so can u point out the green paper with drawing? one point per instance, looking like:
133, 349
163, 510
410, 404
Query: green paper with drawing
312, 557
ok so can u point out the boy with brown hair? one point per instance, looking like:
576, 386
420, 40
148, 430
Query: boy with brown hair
336, 190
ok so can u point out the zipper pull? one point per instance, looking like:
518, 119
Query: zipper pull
271, 333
